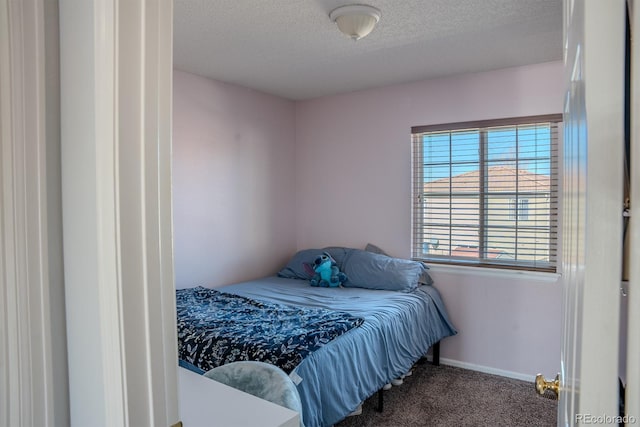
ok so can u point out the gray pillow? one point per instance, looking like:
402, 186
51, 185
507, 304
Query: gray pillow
375, 249
376, 271
338, 253
300, 266
425, 278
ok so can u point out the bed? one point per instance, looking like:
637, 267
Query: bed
391, 329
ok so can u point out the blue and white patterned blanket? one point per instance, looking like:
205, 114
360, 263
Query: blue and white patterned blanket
215, 328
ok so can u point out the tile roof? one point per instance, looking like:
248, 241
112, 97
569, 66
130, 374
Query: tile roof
501, 179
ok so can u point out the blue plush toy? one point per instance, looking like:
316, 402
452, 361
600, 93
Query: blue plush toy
327, 273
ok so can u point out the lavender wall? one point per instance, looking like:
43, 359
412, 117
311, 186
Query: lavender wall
233, 182
247, 166
353, 186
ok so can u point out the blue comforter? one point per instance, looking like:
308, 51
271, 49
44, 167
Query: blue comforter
399, 328
215, 328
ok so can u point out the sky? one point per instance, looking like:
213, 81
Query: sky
453, 153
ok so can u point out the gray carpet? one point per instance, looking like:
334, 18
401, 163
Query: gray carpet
448, 396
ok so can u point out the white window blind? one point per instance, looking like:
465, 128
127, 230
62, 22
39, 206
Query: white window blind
486, 193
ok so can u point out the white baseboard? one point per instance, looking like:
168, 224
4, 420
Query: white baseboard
486, 369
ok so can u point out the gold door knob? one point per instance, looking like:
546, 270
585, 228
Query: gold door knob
543, 385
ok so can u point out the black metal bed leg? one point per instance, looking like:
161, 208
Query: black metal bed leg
380, 400
436, 354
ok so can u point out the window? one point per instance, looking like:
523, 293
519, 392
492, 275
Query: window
519, 209
486, 193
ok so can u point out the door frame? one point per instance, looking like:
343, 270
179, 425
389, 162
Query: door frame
116, 90
32, 360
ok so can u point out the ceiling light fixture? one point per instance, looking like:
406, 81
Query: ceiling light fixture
356, 20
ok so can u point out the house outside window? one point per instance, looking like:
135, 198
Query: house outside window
486, 193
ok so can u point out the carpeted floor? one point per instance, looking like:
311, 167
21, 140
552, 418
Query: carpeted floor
448, 396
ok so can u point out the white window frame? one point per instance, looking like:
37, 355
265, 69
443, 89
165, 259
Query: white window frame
484, 259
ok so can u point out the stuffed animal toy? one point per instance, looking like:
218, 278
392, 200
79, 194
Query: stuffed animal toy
327, 273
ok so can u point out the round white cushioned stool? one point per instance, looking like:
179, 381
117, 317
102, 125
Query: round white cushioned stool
262, 380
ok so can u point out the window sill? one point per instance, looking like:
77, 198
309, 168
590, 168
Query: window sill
535, 276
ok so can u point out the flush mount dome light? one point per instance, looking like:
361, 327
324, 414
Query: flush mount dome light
356, 20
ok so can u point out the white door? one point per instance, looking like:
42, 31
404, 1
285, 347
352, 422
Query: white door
593, 198
632, 404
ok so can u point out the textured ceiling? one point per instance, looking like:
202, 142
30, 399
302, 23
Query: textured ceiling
290, 48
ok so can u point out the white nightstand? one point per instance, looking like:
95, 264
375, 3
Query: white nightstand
205, 402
